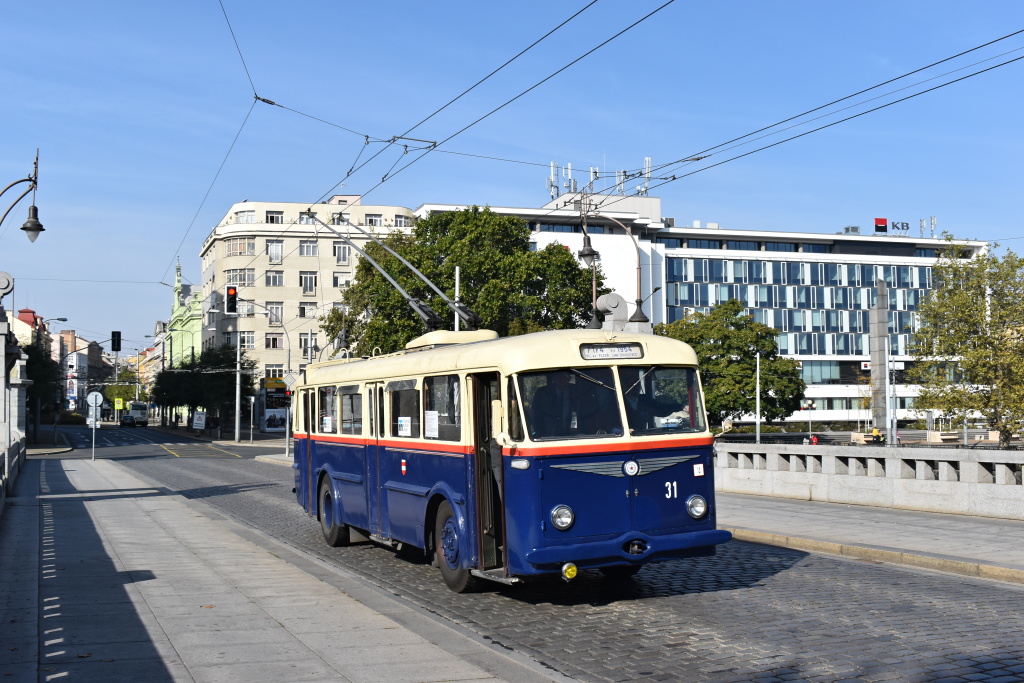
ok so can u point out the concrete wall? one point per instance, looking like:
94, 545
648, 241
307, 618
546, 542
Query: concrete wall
984, 483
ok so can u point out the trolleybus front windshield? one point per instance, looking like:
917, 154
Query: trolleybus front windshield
580, 403
660, 399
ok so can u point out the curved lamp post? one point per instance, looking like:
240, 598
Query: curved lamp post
32, 226
638, 315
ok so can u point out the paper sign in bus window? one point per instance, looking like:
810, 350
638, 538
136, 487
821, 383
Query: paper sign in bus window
430, 423
405, 426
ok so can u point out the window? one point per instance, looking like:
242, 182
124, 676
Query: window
816, 248
275, 250
275, 216
741, 245
327, 404
307, 248
661, 400
351, 410
670, 242
704, 244
403, 221
341, 280
306, 339
307, 310
307, 218
339, 218
307, 280
341, 252
243, 277
273, 370
241, 246
275, 278
441, 403
248, 339
570, 404
405, 408
374, 220
245, 216
779, 246
276, 311
229, 339
273, 340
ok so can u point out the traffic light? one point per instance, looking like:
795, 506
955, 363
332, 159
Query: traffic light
231, 299
115, 341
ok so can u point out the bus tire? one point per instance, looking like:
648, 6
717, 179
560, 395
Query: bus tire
620, 572
447, 554
335, 534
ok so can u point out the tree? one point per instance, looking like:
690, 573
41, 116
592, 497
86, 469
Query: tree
727, 341
512, 289
45, 374
207, 381
969, 346
124, 386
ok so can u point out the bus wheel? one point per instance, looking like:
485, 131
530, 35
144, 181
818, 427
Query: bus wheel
620, 572
335, 534
446, 550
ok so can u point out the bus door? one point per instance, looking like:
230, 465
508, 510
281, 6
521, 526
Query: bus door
377, 523
487, 473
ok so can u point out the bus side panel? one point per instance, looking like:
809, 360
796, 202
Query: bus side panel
407, 493
522, 514
299, 466
346, 464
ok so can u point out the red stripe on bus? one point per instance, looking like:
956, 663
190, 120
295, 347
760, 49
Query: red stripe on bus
429, 446
623, 446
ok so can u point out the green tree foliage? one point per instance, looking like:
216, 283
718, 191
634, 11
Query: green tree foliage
44, 373
969, 347
207, 381
124, 386
512, 289
726, 342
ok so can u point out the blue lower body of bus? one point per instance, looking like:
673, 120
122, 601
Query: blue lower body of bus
628, 508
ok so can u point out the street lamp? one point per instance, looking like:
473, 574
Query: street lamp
808, 406
638, 315
589, 256
32, 226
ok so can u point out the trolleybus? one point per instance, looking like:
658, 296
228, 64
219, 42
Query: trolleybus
505, 459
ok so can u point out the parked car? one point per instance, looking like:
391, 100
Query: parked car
128, 421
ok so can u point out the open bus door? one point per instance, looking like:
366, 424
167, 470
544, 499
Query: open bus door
487, 473
377, 521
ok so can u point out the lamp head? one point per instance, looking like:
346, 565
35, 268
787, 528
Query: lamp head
32, 226
588, 254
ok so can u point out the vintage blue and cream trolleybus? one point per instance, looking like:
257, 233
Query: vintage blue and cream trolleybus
511, 458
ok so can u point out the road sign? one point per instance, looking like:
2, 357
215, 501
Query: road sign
119, 403
290, 379
94, 398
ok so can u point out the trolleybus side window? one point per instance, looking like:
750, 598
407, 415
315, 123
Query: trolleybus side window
515, 420
327, 403
405, 408
442, 405
661, 399
572, 403
351, 410
305, 410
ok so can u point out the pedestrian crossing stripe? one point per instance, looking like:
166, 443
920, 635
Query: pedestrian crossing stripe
196, 451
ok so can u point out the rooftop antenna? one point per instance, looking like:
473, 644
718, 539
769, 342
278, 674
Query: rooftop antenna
553, 188
430, 318
641, 190
922, 227
620, 182
569, 184
933, 226
595, 175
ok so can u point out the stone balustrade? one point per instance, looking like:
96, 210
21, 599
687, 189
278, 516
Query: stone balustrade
985, 483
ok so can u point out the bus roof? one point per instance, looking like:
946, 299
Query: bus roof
535, 351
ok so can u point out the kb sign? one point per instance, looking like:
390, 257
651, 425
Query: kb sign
883, 225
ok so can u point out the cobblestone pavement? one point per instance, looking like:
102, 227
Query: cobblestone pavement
751, 613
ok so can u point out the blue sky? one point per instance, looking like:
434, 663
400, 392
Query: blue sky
134, 106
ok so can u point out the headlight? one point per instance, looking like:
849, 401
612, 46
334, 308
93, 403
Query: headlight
562, 517
696, 506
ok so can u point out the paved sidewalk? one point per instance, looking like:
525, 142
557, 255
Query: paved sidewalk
972, 546
106, 578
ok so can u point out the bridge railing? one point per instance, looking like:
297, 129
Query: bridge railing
971, 481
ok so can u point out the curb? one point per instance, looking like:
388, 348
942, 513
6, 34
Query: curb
939, 563
274, 459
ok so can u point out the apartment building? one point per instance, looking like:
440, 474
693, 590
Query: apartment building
289, 269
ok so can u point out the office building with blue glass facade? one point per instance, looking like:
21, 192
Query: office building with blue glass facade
816, 289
